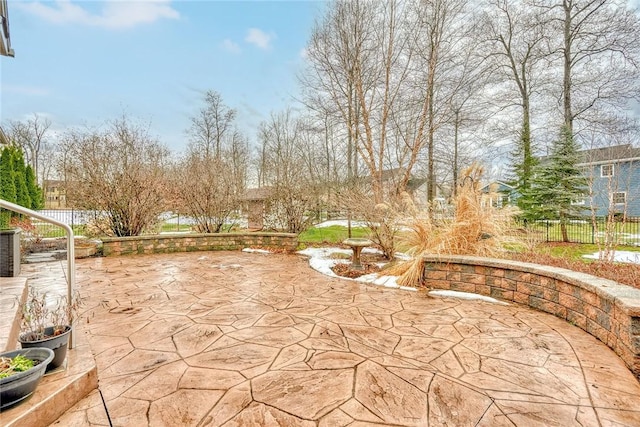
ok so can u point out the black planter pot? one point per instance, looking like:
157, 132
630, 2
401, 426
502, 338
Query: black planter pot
9, 253
56, 343
18, 387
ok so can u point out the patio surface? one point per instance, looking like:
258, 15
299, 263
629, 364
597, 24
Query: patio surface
233, 339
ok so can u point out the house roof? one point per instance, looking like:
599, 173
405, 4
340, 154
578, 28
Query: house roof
415, 183
497, 186
608, 154
603, 155
260, 193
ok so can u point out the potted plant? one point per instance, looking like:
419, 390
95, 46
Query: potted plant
47, 323
20, 373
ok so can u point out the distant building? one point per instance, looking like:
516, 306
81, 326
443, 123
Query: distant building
498, 194
614, 176
55, 194
256, 201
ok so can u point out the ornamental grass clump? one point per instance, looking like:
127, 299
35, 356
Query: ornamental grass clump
476, 228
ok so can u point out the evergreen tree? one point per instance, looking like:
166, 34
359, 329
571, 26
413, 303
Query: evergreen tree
557, 184
523, 166
7, 184
22, 192
35, 192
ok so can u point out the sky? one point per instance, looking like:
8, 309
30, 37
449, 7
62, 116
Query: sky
87, 62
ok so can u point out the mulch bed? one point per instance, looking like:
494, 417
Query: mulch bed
344, 270
368, 260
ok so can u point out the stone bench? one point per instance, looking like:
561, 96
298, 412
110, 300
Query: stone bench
605, 309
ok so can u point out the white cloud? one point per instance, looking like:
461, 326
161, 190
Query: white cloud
231, 46
259, 38
114, 14
303, 53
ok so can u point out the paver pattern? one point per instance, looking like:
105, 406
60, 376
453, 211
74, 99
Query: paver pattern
235, 339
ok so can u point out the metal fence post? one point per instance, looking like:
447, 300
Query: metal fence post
547, 223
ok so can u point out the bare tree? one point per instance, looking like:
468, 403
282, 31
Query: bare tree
600, 55
358, 61
210, 179
212, 125
287, 159
118, 173
30, 135
517, 41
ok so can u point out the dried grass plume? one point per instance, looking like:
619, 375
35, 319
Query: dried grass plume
476, 228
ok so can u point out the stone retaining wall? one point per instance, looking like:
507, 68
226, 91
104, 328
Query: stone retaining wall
605, 309
166, 243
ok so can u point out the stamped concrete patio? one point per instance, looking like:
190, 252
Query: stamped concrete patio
233, 339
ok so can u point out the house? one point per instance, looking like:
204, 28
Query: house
391, 178
613, 174
55, 196
5, 39
614, 179
257, 206
498, 194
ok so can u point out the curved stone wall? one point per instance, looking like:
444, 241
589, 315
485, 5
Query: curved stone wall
167, 243
605, 309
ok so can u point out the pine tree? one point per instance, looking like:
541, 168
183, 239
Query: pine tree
558, 183
22, 192
7, 184
523, 166
35, 192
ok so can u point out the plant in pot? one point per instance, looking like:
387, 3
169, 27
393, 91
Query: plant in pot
20, 373
47, 323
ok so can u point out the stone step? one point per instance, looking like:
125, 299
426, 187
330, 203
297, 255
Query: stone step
57, 391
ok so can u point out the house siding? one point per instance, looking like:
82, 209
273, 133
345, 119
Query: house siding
626, 179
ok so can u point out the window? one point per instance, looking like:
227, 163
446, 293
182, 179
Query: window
619, 198
606, 171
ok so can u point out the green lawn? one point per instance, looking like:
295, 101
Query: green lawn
333, 234
49, 230
575, 251
167, 227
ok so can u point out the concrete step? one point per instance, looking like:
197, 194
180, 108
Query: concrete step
57, 391
13, 291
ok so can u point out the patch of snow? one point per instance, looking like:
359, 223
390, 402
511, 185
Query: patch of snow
619, 256
321, 261
465, 295
323, 252
256, 251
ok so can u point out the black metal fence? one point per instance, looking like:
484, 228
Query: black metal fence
578, 231
79, 219
588, 231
